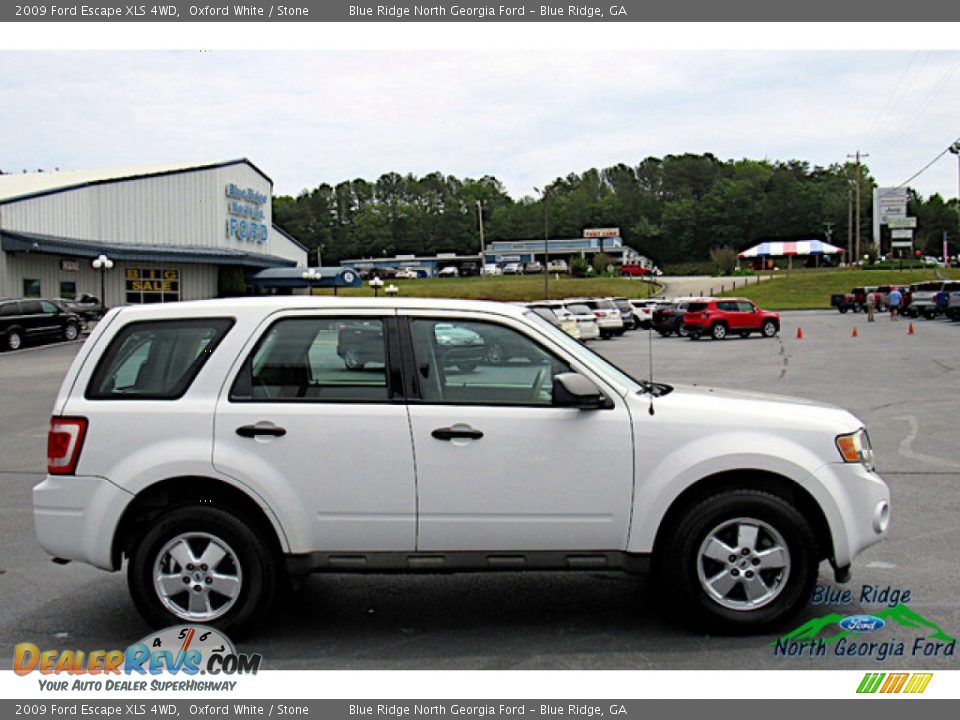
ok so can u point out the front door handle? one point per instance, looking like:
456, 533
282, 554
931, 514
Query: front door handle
450, 433
249, 431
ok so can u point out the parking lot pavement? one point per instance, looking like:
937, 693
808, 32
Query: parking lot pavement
903, 386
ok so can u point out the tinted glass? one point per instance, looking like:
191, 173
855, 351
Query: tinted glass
745, 306
30, 307
68, 289
48, 307
467, 362
316, 360
10, 308
156, 360
697, 307
580, 309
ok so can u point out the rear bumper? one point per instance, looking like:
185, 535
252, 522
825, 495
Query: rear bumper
75, 517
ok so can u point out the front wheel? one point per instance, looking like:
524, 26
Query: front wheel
769, 328
740, 561
682, 331
201, 565
718, 331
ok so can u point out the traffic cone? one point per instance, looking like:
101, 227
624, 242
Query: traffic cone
855, 333
910, 330
799, 333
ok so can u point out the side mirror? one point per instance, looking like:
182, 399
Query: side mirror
574, 390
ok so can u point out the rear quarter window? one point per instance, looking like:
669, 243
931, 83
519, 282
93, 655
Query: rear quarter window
156, 360
696, 307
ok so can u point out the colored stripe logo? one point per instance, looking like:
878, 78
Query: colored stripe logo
912, 683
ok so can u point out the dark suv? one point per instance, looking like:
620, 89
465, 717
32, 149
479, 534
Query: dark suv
27, 320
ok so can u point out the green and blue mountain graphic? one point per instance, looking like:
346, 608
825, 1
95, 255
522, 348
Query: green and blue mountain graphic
899, 614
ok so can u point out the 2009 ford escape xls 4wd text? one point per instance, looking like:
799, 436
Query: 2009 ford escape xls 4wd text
221, 445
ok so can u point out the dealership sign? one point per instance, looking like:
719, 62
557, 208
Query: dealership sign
247, 214
901, 222
601, 232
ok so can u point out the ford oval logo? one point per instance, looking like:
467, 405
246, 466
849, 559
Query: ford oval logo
862, 623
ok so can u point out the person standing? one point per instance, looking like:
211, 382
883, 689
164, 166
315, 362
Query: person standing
894, 299
871, 305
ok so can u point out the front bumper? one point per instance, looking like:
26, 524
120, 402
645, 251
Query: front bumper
76, 517
856, 503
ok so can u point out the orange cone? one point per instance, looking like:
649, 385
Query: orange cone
910, 330
799, 333
855, 333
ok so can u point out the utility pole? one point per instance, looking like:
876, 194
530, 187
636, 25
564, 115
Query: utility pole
955, 149
480, 218
850, 256
828, 231
546, 245
858, 155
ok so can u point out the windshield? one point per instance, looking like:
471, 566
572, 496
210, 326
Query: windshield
575, 346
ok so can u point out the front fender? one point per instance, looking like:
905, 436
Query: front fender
659, 484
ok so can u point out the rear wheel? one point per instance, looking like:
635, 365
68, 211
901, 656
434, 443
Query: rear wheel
843, 309
718, 331
769, 328
71, 332
201, 565
740, 561
14, 340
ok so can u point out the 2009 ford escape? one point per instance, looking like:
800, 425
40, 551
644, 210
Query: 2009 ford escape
220, 445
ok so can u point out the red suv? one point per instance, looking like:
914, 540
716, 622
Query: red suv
719, 318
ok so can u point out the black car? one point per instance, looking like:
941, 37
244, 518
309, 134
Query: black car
630, 319
668, 319
28, 320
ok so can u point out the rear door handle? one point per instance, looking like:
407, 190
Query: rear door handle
450, 433
249, 431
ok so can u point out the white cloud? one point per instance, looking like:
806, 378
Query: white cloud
526, 117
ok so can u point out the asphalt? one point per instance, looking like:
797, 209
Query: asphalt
905, 387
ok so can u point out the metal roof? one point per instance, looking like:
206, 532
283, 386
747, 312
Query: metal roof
52, 245
20, 186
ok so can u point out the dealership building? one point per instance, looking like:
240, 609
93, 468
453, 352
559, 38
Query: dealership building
173, 232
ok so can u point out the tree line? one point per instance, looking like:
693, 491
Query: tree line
672, 209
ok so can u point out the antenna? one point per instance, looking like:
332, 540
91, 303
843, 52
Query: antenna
650, 355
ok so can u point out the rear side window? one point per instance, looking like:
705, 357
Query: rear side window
317, 359
9, 309
156, 360
697, 307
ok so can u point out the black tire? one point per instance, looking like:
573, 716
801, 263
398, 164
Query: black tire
843, 309
744, 334
718, 331
693, 335
682, 331
352, 361
71, 332
13, 339
494, 354
467, 367
256, 564
679, 564
663, 333
769, 328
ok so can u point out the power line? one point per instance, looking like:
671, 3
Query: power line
900, 89
927, 166
925, 103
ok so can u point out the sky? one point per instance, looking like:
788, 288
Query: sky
526, 117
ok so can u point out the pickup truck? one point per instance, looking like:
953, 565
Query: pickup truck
855, 300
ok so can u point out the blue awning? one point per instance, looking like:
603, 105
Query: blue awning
11, 241
293, 278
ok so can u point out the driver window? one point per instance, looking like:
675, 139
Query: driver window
465, 361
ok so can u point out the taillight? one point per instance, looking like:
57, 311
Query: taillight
64, 442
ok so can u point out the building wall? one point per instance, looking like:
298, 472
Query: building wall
188, 208
195, 282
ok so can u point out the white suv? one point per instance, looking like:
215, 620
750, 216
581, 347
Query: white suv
222, 445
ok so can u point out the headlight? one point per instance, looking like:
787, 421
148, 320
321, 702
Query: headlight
856, 447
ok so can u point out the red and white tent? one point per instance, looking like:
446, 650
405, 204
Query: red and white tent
795, 247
